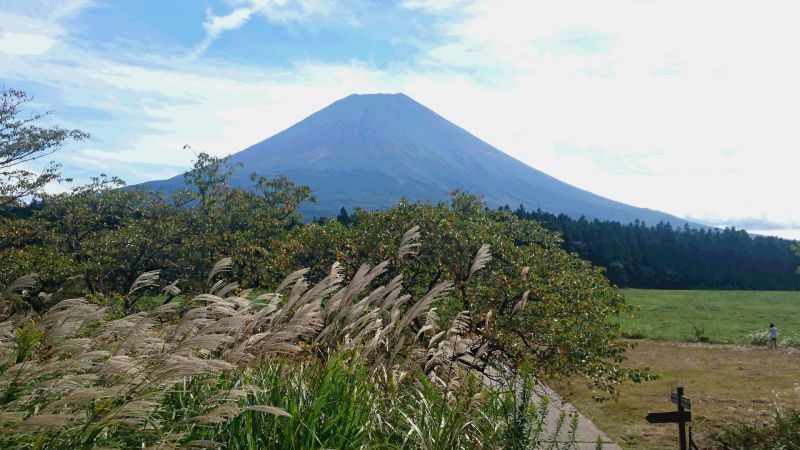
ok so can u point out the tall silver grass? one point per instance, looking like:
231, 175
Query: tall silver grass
86, 356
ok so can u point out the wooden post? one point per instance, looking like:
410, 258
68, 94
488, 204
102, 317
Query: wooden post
681, 416
681, 424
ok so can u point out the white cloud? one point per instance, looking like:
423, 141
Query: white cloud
216, 25
25, 43
680, 81
432, 5
38, 23
272, 10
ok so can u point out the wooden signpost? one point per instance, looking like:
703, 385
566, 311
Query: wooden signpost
681, 416
687, 404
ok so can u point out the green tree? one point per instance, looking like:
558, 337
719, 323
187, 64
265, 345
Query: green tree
236, 222
101, 236
111, 235
536, 307
21, 142
209, 178
343, 217
96, 238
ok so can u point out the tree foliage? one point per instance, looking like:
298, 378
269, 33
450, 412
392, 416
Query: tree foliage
665, 257
534, 306
99, 237
531, 302
21, 142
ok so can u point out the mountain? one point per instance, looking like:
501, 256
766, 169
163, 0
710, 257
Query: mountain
371, 150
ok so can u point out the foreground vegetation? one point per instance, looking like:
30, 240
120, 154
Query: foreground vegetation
782, 432
414, 342
735, 392
735, 317
121, 325
532, 302
332, 365
746, 395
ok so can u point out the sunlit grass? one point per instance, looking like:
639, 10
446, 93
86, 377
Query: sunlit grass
710, 316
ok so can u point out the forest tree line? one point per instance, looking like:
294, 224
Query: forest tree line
661, 256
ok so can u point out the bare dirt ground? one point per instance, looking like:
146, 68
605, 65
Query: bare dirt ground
725, 383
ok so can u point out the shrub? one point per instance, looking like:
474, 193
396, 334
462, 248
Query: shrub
700, 333
333, 364
761, 338
531, 302
783, 432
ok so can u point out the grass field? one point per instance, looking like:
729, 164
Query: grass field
724, 382
710, 316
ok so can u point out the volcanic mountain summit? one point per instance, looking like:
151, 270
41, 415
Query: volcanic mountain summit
371, 150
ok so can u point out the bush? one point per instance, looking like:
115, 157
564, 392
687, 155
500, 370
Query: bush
781, 433
334, 364
761, 338
700, 333
532, 301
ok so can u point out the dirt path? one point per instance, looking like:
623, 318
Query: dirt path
726, 383
587, 434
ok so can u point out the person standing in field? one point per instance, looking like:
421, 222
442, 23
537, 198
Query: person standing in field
773, 336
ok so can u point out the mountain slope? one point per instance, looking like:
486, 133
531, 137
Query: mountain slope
371, 150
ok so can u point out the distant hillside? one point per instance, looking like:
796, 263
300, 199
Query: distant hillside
371, 150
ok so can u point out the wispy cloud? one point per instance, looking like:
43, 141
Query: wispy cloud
616, 161
271, 10
576, 41
216, 25
36, 26
25, 43
433, 5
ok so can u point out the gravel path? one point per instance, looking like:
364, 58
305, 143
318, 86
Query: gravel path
587, 431
587, 434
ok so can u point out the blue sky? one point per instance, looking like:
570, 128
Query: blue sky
686, 107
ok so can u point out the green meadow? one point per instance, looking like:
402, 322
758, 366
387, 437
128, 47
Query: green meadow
711, 316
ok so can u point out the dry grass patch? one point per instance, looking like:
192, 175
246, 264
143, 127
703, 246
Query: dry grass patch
725, 383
